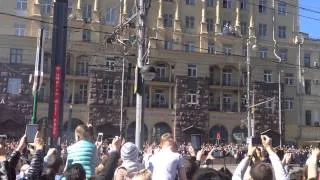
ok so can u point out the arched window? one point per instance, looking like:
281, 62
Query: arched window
218, 134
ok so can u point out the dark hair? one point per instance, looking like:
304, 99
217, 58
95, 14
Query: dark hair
261, 171
191, 166
75, 172
207, 174
53, 168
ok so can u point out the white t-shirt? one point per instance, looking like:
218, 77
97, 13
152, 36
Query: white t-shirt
165, 165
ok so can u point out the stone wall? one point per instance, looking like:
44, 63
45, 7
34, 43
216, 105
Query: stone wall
102, 111
268, 118
191, 118
15, 109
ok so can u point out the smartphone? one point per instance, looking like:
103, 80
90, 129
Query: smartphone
100, 137
31, 131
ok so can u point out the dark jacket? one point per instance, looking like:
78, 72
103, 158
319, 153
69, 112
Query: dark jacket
8, 168
109, 167
35, 168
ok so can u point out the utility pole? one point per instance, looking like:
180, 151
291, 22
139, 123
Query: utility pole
299, 41
253, 110
141, 17
57, 77
279, 73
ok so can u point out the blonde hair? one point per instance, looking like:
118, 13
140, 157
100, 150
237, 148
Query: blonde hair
144, 174
165, 138
82, 132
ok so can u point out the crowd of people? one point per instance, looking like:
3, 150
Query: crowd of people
167, 160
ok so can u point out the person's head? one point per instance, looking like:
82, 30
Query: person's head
261, 171
82, 132
129, 152
190, 166
52, 162
75, 172
207, 174
166, 140
143, 175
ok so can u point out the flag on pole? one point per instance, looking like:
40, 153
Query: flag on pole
38, 67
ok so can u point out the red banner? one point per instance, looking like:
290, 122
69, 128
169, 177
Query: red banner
56, 102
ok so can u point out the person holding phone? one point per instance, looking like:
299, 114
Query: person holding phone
261, 170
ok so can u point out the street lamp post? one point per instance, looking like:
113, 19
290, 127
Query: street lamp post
251, 44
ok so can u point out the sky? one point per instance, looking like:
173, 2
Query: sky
310, 26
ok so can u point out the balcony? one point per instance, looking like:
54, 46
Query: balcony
310, 133
161, 79
230, 107
158, 105
230, 84
214, 107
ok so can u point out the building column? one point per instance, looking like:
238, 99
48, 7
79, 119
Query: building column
36, 1
251, 15
150, 96
221, 100
160, 16
217, 25
124, 10
177, 23
96, 12
170, 98
203, 18
73, 91
237, 24
130, 95
79, 4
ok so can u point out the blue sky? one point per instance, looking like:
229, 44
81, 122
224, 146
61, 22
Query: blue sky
309, 25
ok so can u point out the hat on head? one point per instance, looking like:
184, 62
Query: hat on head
129, 151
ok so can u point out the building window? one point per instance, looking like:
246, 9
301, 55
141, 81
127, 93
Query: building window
307, 87
108, 90
226, 4
262, 31
262, 6
168, 0
83, 91
20, 29
227, 99
267, 76
308, 117
160, 71
167, 20
244, 50
190, 2
227, 77
192, 70
189, 47
82, 68
14, 86
289, 79
225, 26
210, 25
227, 49
307, 59
282, 8
283, 53
243, 28
289, 103
189, 22
111, 16
243, 4
22, 5
86, 35
211, 48
159, 97
263, 53
86, 12
46, 7
46, 31
192, 98
209, 3
168, 44
282, 32
16, 55
70, 7
110, 63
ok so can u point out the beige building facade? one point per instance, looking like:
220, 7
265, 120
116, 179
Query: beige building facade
187, 38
